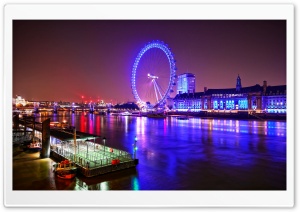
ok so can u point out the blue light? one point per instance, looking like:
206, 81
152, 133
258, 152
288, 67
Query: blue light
135, 183
215, 104
160, 45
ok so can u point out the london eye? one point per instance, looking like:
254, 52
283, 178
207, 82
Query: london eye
153, 75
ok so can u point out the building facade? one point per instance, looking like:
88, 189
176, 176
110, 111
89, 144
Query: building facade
186, 83
269, 99
19, 101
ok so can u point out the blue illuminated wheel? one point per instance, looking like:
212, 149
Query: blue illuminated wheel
153, 75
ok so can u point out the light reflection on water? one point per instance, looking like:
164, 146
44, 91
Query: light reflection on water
194, 154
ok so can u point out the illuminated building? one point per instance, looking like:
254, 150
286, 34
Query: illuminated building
269, 99
19, 101
186, 83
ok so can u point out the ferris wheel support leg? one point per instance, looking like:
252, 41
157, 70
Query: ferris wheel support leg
154, 84
158, 89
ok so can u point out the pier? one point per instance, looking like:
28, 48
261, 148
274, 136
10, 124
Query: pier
91, 158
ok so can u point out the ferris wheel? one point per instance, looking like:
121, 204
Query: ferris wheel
153, 75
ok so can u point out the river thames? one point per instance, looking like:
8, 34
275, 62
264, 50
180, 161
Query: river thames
193, 154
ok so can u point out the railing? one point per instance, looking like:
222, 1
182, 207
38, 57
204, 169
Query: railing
94, 164
21, 136
91, 158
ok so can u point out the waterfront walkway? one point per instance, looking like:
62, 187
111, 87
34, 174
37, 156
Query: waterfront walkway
30, 172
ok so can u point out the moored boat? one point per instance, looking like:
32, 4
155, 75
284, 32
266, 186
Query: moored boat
126, 113
65, 169
115, 161
182, 118
59, 125
156, 115
34, 146
136, 114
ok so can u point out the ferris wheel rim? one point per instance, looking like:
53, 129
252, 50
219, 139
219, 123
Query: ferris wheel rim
170, 56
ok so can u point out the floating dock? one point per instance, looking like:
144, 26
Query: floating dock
91, 158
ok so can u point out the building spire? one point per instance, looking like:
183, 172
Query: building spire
238, 83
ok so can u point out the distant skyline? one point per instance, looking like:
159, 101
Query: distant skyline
60, 60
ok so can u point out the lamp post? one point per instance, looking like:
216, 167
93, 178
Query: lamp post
78, 147
94, 143
68, 152
62, 147
82, 104
87, 148
75, 144
135, 148
104, 139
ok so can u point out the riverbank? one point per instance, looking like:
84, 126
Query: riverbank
233, 115
30, 172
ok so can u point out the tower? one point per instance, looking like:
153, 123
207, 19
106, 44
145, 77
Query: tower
265, 87
238, 83
186, 83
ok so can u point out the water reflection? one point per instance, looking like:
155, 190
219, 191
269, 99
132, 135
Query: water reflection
192, 154
123, 180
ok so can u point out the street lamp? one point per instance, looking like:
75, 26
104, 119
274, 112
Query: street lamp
94, 143
104, 142
135, 148
62, 147
78, 147
68, 152
87, 148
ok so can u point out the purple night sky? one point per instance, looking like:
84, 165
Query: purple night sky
64, 60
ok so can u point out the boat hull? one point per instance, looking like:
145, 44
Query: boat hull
65, 174
161, 116
35, 149
182, 118
34, 146
65, 170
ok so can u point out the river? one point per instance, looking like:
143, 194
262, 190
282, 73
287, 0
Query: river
193, 154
